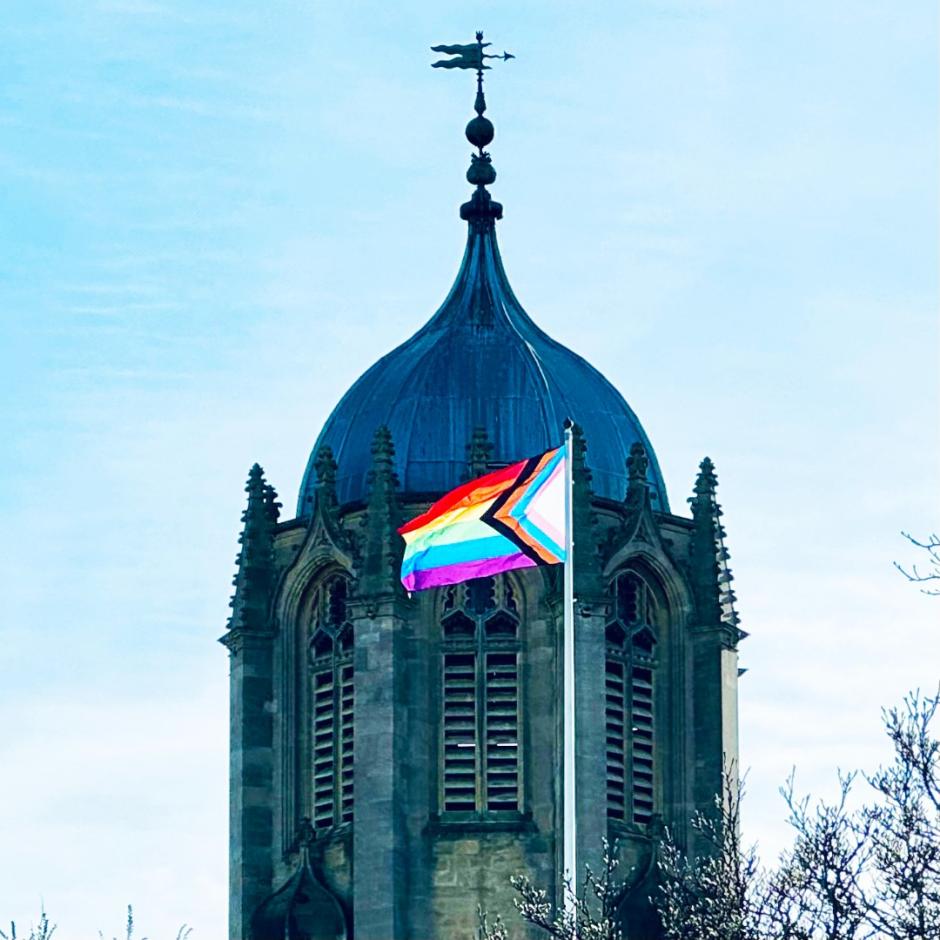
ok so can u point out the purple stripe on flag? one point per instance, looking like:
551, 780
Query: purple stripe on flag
454, 574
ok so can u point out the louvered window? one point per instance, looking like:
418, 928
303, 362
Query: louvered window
460, 731
642, 744
480, 713
616, 738
331, 658
630, 700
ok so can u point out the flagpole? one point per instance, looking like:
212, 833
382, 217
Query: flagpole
569, 835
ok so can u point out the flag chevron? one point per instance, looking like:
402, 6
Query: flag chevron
508, 514
511, 518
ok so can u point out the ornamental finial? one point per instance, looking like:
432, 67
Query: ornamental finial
479, 131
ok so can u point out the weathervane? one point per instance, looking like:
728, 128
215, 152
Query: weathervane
481, 210
470, 56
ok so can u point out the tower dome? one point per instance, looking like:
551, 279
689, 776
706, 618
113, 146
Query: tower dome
479, 362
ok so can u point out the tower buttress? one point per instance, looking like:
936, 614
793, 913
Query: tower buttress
250, 641
589, 609
715, 647
378, 611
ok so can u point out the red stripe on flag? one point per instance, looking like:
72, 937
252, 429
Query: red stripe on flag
463, 494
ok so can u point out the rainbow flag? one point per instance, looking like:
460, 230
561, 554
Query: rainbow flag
512, 518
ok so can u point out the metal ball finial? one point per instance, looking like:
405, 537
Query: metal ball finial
480, 131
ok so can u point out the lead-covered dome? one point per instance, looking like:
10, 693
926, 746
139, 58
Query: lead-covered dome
480, 361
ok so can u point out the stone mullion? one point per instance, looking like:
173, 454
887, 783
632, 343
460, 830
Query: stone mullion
591, 726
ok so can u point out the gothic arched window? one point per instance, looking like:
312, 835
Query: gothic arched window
631, 669
331, 662
480, 762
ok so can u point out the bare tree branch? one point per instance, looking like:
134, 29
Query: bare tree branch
719, 896
591, 915
818, 889
932, 547
905, 825
43, 930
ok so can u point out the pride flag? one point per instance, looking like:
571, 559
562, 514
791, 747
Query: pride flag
512, 518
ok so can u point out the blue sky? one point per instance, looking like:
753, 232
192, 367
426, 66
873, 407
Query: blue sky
215, 216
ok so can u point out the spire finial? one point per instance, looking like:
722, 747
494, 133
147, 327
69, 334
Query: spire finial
326, 502
382, 543
587, 570
254, 579
481, 210
711, 575
637, 463
637, 466
706, 482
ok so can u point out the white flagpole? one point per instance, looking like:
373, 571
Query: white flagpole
569, 836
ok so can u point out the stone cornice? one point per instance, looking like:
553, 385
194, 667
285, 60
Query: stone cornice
238, 637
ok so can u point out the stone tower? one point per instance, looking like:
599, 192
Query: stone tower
395, 759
